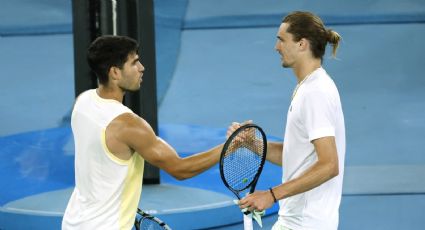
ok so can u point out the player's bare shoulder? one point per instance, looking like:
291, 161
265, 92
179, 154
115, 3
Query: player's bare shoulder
131, 129
129, 123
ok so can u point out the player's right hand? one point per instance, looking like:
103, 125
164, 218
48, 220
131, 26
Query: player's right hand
235, 125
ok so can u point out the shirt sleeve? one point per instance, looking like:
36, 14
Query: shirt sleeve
318, 115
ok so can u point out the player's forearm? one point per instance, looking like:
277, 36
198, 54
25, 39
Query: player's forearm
275, 152
195, 164
319, 173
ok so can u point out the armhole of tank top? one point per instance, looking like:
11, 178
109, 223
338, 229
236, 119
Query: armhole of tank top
75, 102
110, 154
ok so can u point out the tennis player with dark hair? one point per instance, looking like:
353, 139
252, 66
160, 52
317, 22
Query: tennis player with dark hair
313, 151
112, 143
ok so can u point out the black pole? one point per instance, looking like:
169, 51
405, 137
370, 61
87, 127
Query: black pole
105, 17
85, 30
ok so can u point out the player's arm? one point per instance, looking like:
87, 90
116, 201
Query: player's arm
140, 137
323, 170
275, 152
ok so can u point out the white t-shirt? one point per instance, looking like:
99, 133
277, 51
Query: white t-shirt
315, 112
107, 189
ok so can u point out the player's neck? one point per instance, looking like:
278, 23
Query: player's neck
303, 69
108, 92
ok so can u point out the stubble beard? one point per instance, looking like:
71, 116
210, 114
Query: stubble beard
285, 65
131, 90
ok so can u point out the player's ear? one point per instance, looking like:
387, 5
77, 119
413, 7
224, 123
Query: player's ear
303, 44
114, 73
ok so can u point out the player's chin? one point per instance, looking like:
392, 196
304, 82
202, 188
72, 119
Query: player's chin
285, 65
133, 89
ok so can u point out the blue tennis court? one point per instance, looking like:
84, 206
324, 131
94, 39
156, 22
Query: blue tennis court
206, 51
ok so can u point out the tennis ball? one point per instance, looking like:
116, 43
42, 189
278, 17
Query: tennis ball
244, 180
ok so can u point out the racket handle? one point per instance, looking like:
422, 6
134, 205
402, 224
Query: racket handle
247, 222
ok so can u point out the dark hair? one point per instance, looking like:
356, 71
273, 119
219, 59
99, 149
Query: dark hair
109, 51
309, 26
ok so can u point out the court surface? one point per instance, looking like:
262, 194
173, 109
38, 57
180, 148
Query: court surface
214, 56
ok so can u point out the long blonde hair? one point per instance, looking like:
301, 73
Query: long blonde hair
309, 26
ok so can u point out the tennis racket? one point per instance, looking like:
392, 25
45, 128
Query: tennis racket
242, 160
145, 221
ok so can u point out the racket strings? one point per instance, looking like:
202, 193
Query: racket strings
243, 158
148, 222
